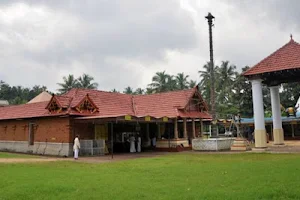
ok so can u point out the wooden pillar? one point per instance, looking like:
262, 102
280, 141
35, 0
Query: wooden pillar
272, 135
293, 130
175, 129
147, 132
158, 131
194, 128
201, 127
184, 129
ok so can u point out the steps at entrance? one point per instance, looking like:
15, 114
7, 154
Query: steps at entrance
240, 144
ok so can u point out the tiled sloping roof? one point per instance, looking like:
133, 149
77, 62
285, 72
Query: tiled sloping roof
162, 104
195, 114
110, 104
24, 111
64, 101
287, 57
44, 96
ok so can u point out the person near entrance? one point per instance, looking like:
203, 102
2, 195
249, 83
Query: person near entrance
139, 141
132, 144
76, 147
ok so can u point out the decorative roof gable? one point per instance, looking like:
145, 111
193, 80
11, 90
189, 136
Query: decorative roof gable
86, 105
54, 106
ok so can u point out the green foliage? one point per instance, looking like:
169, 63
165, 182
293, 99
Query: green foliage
18, 94
128, 90
69, 82
176, 176
85, 81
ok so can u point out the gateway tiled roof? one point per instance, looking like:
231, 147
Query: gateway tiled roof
287, 57
109, 104
44, 96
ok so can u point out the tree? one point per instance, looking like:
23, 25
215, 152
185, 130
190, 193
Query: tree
68, 83
205, 83
139, 91
289, 94
114, 90
128, 90
85, 81
226, 74
159, 82
182, 81
242, 95
192, 84
18, 94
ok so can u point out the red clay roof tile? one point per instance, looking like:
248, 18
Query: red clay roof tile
110, 104
287, 57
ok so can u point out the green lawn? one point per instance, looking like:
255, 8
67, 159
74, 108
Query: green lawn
15, 155
176, 176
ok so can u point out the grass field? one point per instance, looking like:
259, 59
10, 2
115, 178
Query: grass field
176, 176
15, 155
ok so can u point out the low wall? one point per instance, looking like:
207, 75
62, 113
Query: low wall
92, 147
212, 144
165, 143
42, 148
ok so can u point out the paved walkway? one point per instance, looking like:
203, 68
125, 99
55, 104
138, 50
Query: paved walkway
291, 146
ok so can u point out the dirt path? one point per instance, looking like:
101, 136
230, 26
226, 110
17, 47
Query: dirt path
25, 160
95, 159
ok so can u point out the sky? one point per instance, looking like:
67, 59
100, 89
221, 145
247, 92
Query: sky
125, 42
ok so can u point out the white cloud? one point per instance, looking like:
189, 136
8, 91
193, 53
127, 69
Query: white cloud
124, 44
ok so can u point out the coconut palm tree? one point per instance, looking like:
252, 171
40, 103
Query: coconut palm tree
128, 90
205, 83
226, 76
192, 84
85, 81
139, 91
69, 82
161, 82
182, 82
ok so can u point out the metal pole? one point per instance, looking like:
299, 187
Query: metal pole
112, 140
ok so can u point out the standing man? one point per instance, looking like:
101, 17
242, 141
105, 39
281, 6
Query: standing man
76, 147
132, 144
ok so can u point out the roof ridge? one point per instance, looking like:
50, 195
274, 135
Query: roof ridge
133, 105
165, 92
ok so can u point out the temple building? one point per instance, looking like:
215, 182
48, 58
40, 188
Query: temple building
103, 120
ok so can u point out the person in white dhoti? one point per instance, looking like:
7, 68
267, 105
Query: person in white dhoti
139, 141
76, 147
132, 144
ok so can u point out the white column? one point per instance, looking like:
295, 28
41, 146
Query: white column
258, 110
276, 115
